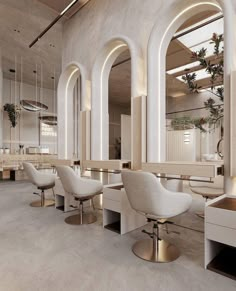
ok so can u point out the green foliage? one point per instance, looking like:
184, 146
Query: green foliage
13, 112
181, 123
186, 122
215, 68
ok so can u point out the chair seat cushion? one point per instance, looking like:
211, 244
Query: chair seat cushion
46, 187
207, 191
45, 180
87, 188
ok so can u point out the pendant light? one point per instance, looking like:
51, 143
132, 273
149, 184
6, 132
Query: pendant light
32, 105
49, 119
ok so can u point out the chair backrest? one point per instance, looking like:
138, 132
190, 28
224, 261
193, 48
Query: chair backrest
68, 177
31, 172
145, 192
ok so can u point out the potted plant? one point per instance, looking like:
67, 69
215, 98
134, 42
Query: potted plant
13, 112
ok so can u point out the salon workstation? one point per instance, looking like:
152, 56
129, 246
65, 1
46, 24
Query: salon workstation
117, 145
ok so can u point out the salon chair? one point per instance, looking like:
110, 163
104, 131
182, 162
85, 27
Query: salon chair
43, 181
148, 197
82, 189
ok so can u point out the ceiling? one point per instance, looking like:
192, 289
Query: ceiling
59, 6
22, 20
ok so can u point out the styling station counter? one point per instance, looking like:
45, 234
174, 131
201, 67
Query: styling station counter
118, 215
220, 235
107, 171
186, 169
11, 164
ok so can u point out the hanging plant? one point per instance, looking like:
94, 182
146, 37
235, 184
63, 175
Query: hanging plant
13, 112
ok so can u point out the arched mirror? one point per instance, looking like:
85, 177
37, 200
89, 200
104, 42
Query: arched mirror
195, 89
119, 107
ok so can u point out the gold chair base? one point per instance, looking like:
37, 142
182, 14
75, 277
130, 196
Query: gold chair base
38, 203
87, 218
163, 252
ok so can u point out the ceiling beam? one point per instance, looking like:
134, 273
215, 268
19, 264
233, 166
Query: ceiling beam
56, 20
179, 35
197, 27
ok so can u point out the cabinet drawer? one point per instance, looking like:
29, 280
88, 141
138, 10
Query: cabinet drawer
220, 234
111, 205
221, 217
112, 194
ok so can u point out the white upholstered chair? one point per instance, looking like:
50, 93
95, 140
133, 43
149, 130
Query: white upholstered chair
82, 189
43, 181
148, 197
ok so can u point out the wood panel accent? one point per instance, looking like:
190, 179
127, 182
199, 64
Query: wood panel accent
225, 203
198, 169
197, 18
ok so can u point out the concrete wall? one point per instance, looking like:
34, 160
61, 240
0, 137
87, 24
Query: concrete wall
103, 20
94, 37
27, 130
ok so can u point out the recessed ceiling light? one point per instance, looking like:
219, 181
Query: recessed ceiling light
17, 30
34, 71
51, 45
52, 78
12, 70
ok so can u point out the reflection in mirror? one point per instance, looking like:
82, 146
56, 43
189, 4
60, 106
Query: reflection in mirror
29, 78
119, 100
194, 90
76, 112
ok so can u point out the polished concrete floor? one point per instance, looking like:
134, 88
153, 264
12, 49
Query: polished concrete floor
38, 251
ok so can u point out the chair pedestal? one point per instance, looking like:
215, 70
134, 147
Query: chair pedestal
157, 252
46, 203
76, 219
81, 218
43, 202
